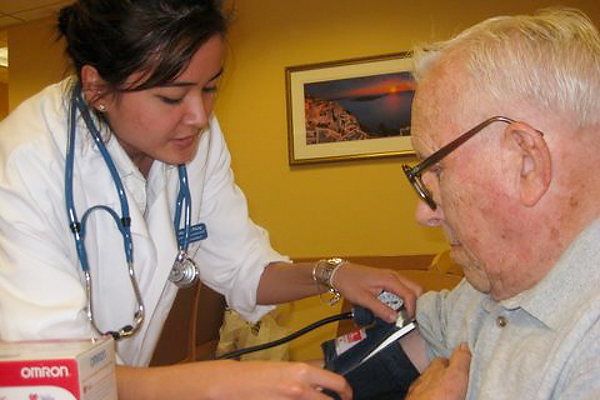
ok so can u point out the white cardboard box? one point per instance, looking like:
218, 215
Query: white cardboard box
58, 370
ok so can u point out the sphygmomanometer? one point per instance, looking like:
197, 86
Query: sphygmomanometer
371, 358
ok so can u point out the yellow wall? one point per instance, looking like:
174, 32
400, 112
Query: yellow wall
36, 59
350, 208
3, 100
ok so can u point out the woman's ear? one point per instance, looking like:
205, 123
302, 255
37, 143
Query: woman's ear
535, 163
93, 87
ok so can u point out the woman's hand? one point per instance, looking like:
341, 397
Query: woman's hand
227, 379
361, 285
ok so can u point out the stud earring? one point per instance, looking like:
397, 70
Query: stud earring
101, 107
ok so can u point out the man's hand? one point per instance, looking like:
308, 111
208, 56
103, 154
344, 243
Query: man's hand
444, 379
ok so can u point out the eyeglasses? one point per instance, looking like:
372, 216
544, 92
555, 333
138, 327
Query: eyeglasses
413, 174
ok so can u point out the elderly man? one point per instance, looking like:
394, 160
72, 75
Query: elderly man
506, 119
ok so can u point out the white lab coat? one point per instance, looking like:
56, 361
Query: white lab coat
41, 288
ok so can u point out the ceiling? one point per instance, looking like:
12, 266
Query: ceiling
13, 12
18, 11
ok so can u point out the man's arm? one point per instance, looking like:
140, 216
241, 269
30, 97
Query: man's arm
415, 348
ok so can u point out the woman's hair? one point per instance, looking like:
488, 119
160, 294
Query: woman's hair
551, 59
155, 37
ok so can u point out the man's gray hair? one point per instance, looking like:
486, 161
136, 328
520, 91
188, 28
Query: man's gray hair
551, 58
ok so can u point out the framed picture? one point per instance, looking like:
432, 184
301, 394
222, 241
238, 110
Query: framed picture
351, 109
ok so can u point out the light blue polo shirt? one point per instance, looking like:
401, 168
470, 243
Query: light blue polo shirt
541, 344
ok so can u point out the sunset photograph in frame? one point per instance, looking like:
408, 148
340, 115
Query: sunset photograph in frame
351, 109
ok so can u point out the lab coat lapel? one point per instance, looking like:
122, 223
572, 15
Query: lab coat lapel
160, 226
135, 188
153, 256
93, 185
160, 291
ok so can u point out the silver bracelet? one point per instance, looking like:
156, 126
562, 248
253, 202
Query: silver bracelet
323, 273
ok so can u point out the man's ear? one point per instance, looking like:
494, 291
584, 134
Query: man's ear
93, 86
535, 163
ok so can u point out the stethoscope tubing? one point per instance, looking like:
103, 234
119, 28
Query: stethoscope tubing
123, 222
184, 196
78, 227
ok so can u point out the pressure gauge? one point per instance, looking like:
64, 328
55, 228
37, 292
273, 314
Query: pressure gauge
393, 301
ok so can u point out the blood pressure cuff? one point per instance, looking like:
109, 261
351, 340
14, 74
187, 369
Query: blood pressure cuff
386, 375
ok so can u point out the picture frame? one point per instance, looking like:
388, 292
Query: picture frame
350, 109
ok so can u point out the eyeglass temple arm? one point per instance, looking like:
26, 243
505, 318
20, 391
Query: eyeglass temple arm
444, 151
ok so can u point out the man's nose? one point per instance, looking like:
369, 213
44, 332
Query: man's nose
426, 216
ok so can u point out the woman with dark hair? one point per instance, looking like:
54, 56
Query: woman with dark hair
116, 189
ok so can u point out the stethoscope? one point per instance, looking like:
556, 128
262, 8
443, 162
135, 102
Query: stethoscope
184, 272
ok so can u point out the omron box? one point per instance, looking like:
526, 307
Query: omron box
53, 370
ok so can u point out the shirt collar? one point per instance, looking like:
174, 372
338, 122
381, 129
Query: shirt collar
569, 284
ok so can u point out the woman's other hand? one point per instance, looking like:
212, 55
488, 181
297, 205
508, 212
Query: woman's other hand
224, 380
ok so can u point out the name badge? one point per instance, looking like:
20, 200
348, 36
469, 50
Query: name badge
197, 232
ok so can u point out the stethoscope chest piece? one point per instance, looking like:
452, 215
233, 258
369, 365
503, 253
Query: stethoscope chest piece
184, 272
